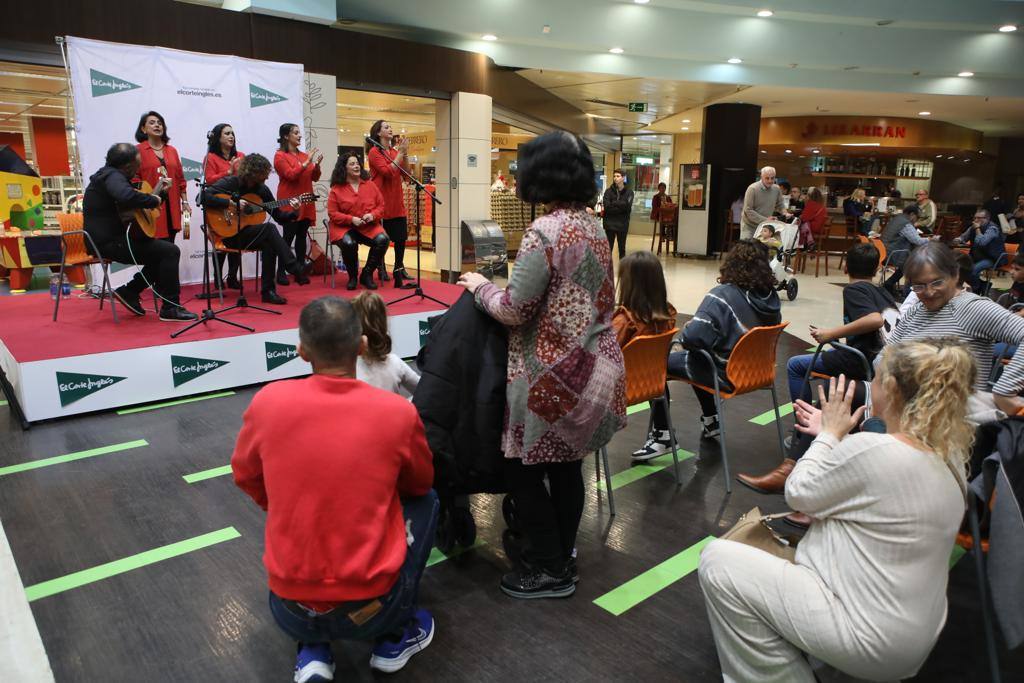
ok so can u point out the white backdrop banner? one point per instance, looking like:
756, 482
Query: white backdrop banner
115, 83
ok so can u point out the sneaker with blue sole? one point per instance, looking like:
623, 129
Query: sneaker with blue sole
314, 663
391, 655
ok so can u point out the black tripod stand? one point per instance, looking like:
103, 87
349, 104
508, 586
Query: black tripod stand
435, 202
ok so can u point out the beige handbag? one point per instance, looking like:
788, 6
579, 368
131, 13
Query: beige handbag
752, 529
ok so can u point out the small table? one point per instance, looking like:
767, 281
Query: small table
21, 251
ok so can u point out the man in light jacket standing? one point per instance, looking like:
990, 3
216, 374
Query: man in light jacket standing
618, 203
762, 199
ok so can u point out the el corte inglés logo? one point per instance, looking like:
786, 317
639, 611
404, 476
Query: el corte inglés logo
279, 354
72, 386
105, 84
185, 369
192, 168
261, 97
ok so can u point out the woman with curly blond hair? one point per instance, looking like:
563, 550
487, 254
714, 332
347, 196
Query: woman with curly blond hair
745, 297
866, 592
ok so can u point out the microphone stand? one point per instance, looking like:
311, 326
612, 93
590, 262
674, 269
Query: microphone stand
435, 202
208, 314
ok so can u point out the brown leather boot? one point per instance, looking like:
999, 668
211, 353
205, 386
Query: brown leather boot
773, 482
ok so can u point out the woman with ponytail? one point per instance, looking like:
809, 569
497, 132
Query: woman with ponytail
866, 592
296, 173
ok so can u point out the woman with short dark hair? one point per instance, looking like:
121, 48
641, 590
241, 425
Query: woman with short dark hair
222, 157
161, 159
355, 207
566, 380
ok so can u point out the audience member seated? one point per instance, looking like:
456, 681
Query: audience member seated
812, 218
351, 515
866, 592
1014, 301
744, 298
869, 314
928, 212
858, 206
1018, 221
796, 204
900, 237
643, 306
986, 241
377, 366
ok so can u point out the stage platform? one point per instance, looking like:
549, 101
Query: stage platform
85, 362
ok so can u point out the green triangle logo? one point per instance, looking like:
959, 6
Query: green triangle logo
73, 386
261, 97
105, 84
193, 169
185, 369
279, 354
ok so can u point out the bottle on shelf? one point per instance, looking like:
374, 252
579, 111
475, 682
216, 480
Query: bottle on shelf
913, 171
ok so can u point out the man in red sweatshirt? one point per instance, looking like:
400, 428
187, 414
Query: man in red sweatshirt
349, 527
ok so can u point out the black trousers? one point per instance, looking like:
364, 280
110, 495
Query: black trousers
349, 245
268, 240
893, 280
159, 261
234, 262
296, 232
398, 232
550, 519
612, 234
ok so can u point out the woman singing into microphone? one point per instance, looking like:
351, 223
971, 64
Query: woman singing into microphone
297, 171
222, 159
159, 158
385, 174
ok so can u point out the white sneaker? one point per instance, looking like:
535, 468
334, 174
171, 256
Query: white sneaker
658, 442
709, 427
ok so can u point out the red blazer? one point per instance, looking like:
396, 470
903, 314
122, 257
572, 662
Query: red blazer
344, 203
294, 180
815, 214
217, 167
389, 180
148, 171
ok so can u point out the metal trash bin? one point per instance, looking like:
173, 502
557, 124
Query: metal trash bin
483, 248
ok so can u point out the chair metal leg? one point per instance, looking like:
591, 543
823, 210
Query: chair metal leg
778, 421
108, 289
986, 610
608, 482
673, 444
597, 466
60, 288
218, 275
720, 404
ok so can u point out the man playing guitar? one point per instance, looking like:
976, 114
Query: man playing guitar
251, 177
110, 194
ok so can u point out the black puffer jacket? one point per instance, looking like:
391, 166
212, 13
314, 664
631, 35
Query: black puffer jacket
461, 399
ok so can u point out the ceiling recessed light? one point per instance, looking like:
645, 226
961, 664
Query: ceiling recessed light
950, 156
764, 151
966, 159
815, 151
965, 74
489, 36
938, 156
924, 113
686, 120
789, 151
616, 50
765, 13
980, 152
735, 60
641, 2
1007, 28
686, 128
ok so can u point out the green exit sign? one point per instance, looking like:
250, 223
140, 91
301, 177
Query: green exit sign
639, 107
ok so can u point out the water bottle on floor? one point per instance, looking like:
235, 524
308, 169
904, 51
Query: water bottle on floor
340, 266
65, 286
54, 285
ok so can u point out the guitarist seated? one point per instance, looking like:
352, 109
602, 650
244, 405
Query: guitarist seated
253, 172
109, 194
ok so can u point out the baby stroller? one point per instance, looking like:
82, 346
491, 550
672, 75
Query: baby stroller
783, 239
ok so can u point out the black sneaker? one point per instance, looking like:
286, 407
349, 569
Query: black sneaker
177, 314
527, 584
573, 569
709, 427
273, 297
658, 442
129, 300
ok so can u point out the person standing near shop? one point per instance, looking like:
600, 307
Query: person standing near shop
385, 174
297, 171
160, 159
761, 200
618, 203
222, 159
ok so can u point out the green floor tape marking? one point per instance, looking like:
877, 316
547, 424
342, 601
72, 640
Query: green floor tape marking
105, 571
437, 557
768, 417
154, 406
207, 474
58, 459
655, 579
638, 408
2, 402
636, 472
955, 556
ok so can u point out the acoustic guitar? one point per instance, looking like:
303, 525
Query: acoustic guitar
226, 221
143, 220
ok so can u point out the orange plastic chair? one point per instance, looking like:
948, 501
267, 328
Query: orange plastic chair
74, 253
751, 367
646, 361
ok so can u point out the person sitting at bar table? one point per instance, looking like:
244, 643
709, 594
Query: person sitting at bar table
926, 209
986, 241
251, 177
858, 207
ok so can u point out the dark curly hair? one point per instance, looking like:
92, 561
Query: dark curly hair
556, 168
340, 174
746, 266
253, 165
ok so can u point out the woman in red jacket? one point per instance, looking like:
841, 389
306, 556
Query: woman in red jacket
384, 172
296, 172
222, 160
812, 218
156, 154
355, 207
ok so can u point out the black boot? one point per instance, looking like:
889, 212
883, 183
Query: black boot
403, 281
300, 271
382, 272
366, 279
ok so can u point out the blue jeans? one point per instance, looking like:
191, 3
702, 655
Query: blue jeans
1003, 350
979, 268
796, 370
397, 606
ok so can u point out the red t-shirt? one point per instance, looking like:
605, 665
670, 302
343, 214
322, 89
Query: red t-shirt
217, 166
344, 203
389, 180
335, 530
293, 180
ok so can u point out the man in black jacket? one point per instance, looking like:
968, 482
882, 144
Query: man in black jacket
252, 175
618, 203
108, 193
